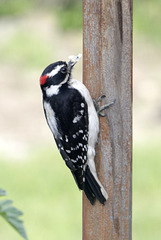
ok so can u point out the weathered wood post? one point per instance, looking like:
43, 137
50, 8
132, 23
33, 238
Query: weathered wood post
107, 69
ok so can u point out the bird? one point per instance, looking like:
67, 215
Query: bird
73, 119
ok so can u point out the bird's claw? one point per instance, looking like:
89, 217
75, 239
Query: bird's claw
100, 109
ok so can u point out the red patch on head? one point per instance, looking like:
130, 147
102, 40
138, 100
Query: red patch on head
43, 79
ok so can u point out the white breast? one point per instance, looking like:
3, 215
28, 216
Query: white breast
92, 117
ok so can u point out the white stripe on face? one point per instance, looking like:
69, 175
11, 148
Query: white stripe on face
52, 90
55, 71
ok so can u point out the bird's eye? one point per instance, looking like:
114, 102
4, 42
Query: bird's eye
63, 70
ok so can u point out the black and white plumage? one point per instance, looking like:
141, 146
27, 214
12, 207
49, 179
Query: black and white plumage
73, 120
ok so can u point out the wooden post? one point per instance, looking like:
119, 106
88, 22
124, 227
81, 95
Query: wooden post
107, 69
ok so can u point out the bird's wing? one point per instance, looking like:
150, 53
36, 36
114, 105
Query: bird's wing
72, 139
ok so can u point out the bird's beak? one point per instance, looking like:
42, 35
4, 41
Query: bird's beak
70, 66
73, 61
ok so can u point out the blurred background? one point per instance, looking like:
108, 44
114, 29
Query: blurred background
32, 35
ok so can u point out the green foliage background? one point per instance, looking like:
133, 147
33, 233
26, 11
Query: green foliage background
43, 188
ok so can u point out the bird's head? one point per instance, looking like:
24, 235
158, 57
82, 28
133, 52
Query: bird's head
58, 73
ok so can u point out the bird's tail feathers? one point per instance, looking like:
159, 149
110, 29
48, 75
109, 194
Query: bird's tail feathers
78, 176
93, 188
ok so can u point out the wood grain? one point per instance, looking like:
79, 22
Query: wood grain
107, 69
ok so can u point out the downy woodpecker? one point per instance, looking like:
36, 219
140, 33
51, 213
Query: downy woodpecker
73, 120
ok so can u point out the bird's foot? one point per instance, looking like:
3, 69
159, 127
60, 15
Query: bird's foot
99, 108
